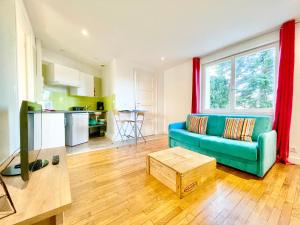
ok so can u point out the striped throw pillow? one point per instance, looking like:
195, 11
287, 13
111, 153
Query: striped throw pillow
202, 124
247, 130
197, 124
233, 128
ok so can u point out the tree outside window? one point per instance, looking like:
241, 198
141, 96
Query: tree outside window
250, 85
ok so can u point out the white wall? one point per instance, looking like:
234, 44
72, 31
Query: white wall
124, 85
9, 108
26, 57
160, 102
118, 80
295, 126
108, 78
39, 80
241, 46
177, 93
59, 58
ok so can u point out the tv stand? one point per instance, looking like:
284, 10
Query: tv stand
15, 170
43, 199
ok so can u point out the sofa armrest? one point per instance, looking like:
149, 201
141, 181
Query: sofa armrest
266, 151
177, 125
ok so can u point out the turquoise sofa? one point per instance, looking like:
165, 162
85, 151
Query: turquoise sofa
255, 157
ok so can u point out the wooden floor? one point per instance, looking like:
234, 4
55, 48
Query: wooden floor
112, 187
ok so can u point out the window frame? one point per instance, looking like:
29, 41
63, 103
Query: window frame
232, 99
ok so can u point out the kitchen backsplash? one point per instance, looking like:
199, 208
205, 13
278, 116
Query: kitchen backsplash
62, 100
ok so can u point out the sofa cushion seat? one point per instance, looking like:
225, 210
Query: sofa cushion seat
185, 136
235, 148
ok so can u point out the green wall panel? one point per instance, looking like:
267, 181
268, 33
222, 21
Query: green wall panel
64, 101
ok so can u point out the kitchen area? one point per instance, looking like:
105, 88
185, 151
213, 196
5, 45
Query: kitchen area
80, 100
74, 110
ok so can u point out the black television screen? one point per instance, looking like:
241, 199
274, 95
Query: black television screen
30, 136
30, 141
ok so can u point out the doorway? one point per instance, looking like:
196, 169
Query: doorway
145, 99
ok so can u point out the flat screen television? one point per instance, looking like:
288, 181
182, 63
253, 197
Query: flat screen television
30, 142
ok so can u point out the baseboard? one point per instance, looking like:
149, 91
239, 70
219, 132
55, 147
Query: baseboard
111, 136
294, 159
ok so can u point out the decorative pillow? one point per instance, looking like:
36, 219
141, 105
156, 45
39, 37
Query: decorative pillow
247, 131
202, 124
233, 128
197, 124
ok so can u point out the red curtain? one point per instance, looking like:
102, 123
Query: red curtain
196, 86
283, 111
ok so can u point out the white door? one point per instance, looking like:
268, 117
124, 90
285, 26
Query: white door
145, 95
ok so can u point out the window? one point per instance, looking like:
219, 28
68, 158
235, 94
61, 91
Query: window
241, 83
218, 85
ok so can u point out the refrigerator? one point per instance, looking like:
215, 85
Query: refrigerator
77, 128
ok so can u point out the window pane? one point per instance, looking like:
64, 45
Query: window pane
217, 85
254, 82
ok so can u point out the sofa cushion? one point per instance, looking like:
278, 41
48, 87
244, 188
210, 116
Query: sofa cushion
193, 124
197, 124
185, 136
235, 148
233, 128
216, 124
247, 131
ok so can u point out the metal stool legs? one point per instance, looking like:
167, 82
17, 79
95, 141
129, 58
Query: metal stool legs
122, 126
139, 125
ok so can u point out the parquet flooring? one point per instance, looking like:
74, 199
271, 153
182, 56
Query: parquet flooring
112, 187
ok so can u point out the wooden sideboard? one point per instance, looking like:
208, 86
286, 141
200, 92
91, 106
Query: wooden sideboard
43, 199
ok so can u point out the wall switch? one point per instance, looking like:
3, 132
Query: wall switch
293, 149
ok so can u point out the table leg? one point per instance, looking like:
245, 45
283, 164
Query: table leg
53, 220
135, 127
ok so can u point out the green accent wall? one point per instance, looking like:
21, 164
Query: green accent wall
64, 101
109, 102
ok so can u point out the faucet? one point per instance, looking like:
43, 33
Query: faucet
87, 107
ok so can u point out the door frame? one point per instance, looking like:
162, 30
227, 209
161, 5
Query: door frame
155, 95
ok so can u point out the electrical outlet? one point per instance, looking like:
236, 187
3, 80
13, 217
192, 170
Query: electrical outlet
293, 149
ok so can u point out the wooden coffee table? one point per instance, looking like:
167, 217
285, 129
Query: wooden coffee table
183, 171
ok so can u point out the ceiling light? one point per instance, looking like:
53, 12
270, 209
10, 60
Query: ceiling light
84, 32
162, 58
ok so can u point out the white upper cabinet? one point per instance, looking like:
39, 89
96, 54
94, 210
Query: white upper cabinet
57, 74
86, 86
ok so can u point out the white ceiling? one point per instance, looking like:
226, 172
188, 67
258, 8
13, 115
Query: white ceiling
143, 31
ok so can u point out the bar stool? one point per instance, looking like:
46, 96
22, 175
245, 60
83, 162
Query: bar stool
122, 126
140, 116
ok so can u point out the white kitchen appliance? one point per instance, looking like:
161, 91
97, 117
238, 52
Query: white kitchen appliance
77, 128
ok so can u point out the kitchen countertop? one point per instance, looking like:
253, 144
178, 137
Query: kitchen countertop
83, 111
70, 111
54, 111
